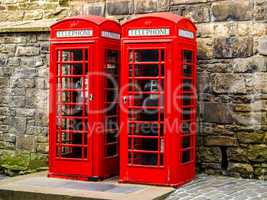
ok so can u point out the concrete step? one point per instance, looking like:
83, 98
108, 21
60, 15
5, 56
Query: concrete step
38, 187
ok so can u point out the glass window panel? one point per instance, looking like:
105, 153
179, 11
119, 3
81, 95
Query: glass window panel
144, 144
186, 127
71, 152
186, 142
187, 70
145, 159
145, 70
186, 156
187, 113
145, 129
148, 115
188, 56
111, 150
146, 55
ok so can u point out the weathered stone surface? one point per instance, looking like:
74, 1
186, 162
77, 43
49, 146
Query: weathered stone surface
237, 154
210, 154
27, 51
244, 170
233, 47
232, 10
257, 153
221, 141
228, 83
217, 113
123, 7
262, 46
205, 49
26, 142
250, 137
144, 6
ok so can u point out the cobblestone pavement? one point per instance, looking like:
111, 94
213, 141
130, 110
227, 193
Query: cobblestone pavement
221, 188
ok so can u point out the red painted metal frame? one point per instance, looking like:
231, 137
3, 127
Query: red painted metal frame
173, 171
95, 165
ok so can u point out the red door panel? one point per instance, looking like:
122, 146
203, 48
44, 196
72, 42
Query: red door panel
71, 144
143, 156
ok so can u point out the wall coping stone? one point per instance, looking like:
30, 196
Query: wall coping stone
26, 26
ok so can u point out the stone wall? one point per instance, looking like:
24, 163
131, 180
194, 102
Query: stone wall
232, 79
23, 102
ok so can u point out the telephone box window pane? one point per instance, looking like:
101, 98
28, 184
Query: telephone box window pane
187, 70
186, 142
187, 85
73, 55
187, 114
145, 129
146, 70
111, 102
145, 144
146, 113
71, 152
186, 156
188, 56
72, 108
146, 55
186, 127
187, 100
145, 159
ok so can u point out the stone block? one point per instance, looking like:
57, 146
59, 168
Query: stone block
210, 155
27, 51
241, 169
237, 154
17, 82
145, 6
93, 9
42, 148
123, 7
233, 47
12, 16
221, 141
250, 65
261, 11
33, 15
188, 1
228, 83
43, 37
205, 48
3, 60
26, 142
232, 10
17, 125
250, 137
217, 113
257, 153
262, 46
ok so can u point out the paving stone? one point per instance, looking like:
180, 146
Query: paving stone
221, 188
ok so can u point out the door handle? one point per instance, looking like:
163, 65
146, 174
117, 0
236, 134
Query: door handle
91, 97
125, 99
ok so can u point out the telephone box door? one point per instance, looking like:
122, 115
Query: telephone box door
144, 113
71, 82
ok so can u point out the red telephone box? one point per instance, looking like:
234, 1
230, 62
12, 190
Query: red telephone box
158, 99
83, 117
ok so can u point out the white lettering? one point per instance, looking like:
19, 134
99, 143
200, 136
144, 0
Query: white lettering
186, 34
111, 35
75, 33
149, 32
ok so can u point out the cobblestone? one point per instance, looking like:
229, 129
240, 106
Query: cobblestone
221, 188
